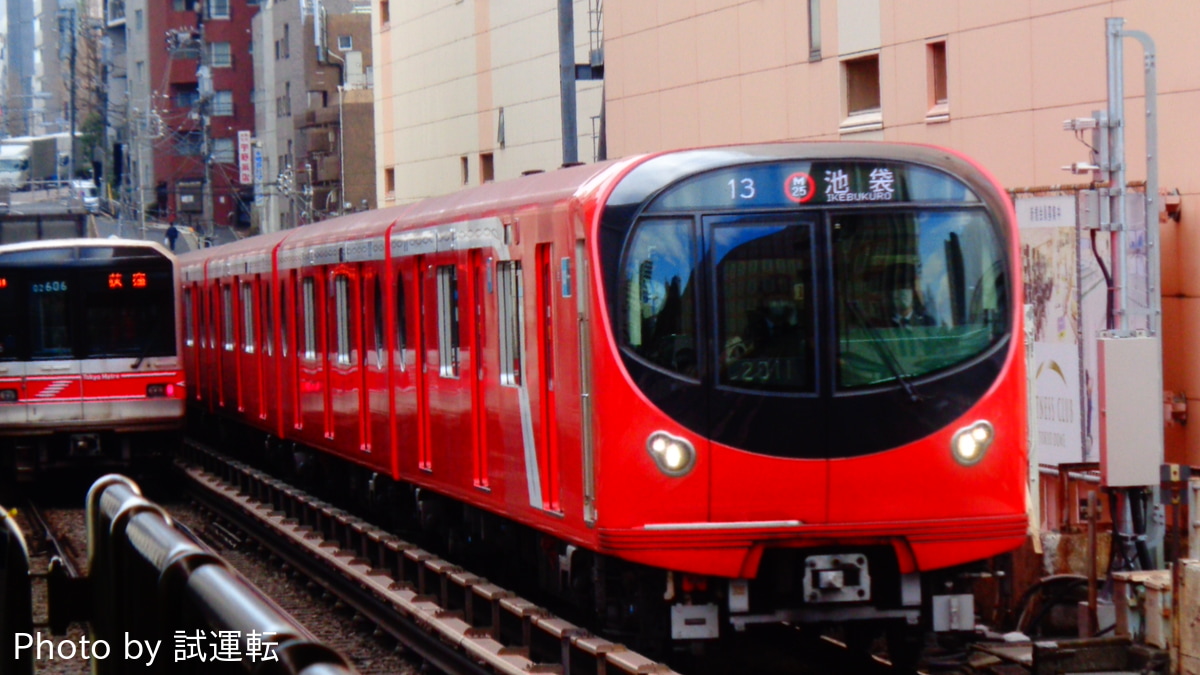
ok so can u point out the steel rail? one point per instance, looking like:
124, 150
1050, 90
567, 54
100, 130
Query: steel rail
455, 620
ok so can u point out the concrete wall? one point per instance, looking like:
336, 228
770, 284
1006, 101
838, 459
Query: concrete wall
445, 70
704, 72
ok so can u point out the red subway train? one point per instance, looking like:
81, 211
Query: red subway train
90, 370
692, 391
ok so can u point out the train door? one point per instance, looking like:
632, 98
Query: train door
478, 273
404, 331
346, 398
268, 368
446, 393
216, 343
583, 336
310, 372
547, 438
373, 393
760, 275
248, 357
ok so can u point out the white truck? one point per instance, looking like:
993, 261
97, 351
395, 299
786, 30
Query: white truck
27, 161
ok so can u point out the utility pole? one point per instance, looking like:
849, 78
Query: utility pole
204, 74
66, 35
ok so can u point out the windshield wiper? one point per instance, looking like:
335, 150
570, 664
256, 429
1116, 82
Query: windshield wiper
144, 351
885, 352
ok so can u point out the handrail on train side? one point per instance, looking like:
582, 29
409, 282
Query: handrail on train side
152, 583
17, 592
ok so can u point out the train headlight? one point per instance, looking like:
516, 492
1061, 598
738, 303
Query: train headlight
674, 456
971, 442
8, 395
156, 390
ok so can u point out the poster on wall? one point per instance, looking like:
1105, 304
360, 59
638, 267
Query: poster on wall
1066, 276
1050, 261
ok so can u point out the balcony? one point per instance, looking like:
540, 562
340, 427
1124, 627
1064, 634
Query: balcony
327, 169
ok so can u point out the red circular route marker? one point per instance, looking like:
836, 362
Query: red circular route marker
799, 187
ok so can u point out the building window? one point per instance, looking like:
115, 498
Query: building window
466, 169
223, 151
814, 30
184, 5
222, 55
385, 14
138, 19
189, 144
345, 43
389, 183
286, 49
218, 9
487, 169
860, 79
186, 98
222, 104
939, 100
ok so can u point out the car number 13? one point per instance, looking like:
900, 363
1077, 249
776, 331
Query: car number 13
742, 189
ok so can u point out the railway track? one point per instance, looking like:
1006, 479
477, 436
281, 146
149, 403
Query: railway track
456, 621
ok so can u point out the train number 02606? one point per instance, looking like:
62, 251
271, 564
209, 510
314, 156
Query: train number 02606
48, 287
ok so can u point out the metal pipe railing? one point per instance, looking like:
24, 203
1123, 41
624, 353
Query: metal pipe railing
17, 596
179, 604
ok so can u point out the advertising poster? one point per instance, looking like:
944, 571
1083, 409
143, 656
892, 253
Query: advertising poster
1065, 275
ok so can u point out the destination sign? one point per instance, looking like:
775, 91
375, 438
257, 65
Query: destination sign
790, 184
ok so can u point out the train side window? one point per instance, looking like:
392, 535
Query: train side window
227, 324
377, 321
447, 289
247, 317
309, 302
401, 320
283, 323
341, 305
658, 296
187, 318
508, 297
268, 335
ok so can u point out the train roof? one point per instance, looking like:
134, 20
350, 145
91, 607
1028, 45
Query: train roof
81, 243
657, 171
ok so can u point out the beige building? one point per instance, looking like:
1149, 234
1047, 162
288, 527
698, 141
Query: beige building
994, 80
467, 91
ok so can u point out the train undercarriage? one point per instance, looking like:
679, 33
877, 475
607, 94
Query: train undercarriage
856, 593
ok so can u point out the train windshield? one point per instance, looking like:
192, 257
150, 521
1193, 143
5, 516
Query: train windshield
130, 310
95, 302
659, 313
763, 274
916, 292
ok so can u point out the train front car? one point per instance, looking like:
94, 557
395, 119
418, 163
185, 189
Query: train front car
813, 404
89, 366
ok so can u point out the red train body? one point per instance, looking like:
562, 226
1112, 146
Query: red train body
90, 372
784, 382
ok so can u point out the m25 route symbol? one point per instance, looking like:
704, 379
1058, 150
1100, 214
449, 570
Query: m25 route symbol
799, 187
